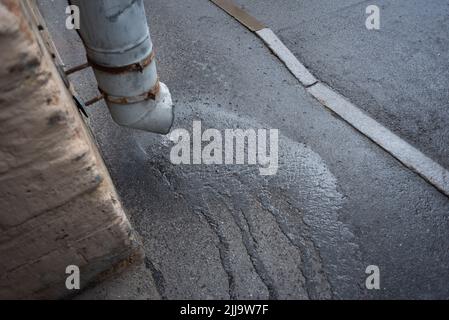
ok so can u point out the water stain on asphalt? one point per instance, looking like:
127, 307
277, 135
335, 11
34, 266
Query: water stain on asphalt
277, 236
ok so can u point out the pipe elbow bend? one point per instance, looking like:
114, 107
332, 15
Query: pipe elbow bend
151, 115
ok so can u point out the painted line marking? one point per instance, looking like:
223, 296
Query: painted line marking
287, 57
239, 14
409, 156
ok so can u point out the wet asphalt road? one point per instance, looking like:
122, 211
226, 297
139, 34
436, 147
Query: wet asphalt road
338, 204
398, 74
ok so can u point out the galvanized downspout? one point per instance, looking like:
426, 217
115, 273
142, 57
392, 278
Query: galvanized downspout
119, 49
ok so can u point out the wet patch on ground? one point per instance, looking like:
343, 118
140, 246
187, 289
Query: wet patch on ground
270, 231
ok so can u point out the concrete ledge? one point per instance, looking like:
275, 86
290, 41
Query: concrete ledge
59, 206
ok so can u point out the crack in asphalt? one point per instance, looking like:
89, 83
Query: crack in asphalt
249, 243
223, 250
308, 251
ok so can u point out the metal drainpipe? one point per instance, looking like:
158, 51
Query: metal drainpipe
119, 49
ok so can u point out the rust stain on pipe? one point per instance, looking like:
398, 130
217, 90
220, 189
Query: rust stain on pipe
138, 66
150, 95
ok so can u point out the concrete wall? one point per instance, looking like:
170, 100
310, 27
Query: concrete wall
58, 206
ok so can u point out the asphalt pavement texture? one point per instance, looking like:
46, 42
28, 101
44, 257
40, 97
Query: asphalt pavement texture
398, 74
338, 204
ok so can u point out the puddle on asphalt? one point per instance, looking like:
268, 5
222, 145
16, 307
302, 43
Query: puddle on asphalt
302, 198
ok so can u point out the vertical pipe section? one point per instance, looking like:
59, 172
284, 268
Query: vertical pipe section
119, 49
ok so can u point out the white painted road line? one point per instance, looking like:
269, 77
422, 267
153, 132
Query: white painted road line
287, 57
400, 149
408, 155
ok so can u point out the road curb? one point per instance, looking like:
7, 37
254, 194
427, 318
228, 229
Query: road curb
287, 57
411, 157
408, 155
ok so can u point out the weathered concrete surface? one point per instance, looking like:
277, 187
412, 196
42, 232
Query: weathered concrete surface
58, 204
